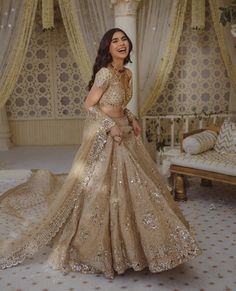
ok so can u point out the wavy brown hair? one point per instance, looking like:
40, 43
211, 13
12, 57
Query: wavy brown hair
104, 57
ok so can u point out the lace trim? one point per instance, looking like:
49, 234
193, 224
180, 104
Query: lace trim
156, 267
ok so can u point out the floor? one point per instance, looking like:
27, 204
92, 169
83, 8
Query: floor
211, 211
57, 159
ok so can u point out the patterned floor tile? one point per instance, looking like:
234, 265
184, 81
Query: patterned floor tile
210, 211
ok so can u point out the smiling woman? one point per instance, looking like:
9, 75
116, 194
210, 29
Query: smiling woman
113, 211
119, 47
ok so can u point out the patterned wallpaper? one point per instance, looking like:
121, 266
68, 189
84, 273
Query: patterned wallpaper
50, 85
199, 80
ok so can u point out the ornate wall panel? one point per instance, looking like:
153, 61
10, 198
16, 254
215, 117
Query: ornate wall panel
199, 80
49, 90
69, 86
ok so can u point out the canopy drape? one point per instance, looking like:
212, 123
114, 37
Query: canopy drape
225, 39
95, 18
17, 18
160, 26
85, 23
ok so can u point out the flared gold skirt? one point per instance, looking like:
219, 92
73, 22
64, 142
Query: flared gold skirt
124, 217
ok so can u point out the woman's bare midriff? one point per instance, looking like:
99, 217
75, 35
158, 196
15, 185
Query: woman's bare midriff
112, 111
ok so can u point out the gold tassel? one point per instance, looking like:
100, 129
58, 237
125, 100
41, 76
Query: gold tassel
198, 14
48, 14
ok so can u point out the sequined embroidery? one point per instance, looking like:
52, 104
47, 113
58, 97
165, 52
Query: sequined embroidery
115, 95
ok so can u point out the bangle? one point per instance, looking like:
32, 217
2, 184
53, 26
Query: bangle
130, 115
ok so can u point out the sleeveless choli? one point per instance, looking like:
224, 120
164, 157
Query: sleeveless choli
112, 212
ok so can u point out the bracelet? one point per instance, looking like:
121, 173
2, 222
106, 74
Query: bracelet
130, 115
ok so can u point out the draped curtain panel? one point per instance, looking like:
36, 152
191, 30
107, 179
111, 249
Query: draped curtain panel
85, 23
10, 13
76, 41
17, 19
160, 26
95, 18
198, 80
225, 39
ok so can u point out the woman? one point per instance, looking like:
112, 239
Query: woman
113, 211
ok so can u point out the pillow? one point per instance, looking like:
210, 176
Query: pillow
226, 140
199, 142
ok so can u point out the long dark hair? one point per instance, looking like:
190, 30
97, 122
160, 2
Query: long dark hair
104, 57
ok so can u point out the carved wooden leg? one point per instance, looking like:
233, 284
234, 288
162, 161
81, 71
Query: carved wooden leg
171, 181
179, 191
206, 183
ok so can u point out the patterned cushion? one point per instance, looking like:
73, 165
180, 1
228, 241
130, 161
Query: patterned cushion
226, 140
209, 161
200, 142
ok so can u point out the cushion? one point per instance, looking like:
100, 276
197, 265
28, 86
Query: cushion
199, 142
226, 140
209, 161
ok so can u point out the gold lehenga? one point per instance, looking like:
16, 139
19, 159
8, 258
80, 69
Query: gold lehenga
112, 212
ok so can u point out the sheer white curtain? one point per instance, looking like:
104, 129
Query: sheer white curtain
10, 13
95, 18
85, 22
227, 44
16, 19
156, 19
9, 18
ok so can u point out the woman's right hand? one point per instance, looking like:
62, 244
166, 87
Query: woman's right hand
116, 133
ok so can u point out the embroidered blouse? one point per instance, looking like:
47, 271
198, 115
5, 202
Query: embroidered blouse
114, 92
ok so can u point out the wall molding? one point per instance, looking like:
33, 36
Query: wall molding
46, 132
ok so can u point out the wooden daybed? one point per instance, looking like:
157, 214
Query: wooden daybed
209, 166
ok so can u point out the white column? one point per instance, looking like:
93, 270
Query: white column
125, 18
4, 131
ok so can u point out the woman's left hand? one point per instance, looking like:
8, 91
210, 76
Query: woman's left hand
136, 127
